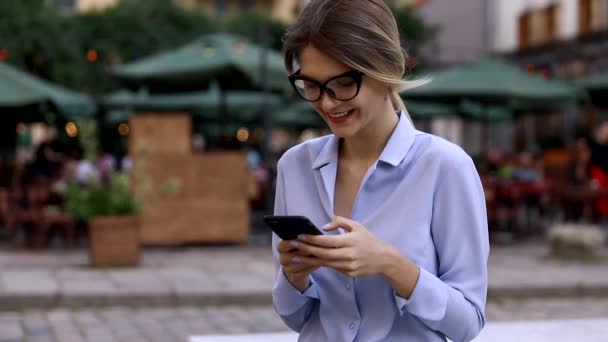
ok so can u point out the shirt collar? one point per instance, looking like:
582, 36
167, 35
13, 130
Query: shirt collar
394, 152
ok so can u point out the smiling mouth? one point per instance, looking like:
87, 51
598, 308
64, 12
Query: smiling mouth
339, 117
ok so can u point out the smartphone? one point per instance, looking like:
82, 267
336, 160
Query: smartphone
289, 227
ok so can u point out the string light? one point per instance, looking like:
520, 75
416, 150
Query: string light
123, 129
92, 56
242, 134
71, 129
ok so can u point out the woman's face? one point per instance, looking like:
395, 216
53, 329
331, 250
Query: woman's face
345, 118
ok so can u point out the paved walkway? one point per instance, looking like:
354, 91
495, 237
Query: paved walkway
589, 330
177, 323
241, 275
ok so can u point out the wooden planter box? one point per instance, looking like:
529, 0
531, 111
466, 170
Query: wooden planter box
114, 241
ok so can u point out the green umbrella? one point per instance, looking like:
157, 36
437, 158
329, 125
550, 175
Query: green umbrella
142, 100
222, 57
597, 86
19, 89
594, 82
429, 110
241, 105
492, 81
467, 109
484, 113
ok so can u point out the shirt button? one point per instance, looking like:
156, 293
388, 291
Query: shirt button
351, 325
347, 286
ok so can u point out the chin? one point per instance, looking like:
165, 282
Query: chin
343, 131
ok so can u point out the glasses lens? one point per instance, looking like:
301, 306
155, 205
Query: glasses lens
308, 90
343, 88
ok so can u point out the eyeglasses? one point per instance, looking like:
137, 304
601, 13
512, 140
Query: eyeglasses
343, 87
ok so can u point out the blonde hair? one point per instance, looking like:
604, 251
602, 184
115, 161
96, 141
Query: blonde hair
362, 34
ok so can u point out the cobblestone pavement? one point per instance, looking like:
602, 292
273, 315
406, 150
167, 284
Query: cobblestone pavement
242, 275
118, 324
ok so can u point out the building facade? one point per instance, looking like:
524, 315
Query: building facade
463, 28
564, 39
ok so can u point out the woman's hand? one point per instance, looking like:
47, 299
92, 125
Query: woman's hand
356, 254
296, 272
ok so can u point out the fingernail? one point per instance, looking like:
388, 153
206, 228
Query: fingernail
327, 225
302, 237
296, 260
295, 244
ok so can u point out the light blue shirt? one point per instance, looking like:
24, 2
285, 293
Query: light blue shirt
424, 197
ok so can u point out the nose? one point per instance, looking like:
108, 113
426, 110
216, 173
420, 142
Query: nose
328, 103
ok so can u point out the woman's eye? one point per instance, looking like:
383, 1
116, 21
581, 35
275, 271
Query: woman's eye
345, 82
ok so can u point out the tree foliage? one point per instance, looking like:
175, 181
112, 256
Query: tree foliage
415, 33
76, 50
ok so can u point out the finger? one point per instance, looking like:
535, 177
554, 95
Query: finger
286, 258
324, 252
344, 266
341, 222
286, 246
327, 241
292, 257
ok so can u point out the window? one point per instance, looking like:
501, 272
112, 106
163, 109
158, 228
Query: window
593, 16
538, 26
584, 16
524, 30
599, 15
552, 15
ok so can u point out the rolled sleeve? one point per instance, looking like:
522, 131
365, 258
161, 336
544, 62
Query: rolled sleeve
429, 299
287, 299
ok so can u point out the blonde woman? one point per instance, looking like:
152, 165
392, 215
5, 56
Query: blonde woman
404, 256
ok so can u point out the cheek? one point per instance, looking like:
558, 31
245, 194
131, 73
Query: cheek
316, 106
368, 99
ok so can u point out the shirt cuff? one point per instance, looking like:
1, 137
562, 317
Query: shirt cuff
287, 299
429, 299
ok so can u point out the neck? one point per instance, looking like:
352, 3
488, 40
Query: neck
369, 143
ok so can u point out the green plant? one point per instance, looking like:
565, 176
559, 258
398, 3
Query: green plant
122, 194
96, 198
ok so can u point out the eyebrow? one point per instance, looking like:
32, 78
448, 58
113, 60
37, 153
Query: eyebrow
299, 72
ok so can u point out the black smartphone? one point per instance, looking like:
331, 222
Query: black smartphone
289, 227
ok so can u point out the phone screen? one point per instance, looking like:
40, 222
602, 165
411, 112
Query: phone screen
289, 227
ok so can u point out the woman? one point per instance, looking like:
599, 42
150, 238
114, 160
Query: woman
404, 257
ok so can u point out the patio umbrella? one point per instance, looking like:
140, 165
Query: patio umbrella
21, 92
488, 80
597, 86
242, 105
466, 109
225, 58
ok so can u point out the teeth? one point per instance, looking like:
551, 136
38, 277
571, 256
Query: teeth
338, 115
